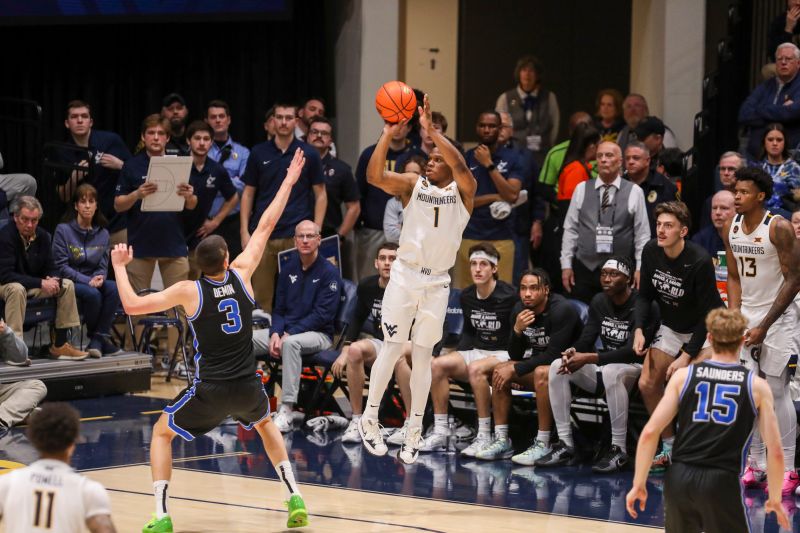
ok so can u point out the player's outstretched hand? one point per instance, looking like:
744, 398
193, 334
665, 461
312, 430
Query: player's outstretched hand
296, 166
636, 494
425, 120
121, 254
776, 507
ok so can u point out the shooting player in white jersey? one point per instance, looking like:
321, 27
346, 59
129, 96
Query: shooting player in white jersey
763, 261
437, 207
48, 495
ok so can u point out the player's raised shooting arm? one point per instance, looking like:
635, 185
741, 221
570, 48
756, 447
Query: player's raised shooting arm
788, 247
248, 260
377, 175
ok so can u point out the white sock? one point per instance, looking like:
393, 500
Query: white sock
356, 417
286, 475
286, 408
566, 438
421, 357
161, 497
440, 424
381, 373
501, 431
485, 426
543, 437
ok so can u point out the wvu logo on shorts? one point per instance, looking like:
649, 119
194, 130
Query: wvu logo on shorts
390, 329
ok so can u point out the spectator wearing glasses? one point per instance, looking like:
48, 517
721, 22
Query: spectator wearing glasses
305, 307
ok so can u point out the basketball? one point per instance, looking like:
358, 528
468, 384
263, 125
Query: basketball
395, 101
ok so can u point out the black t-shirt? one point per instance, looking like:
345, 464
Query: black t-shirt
340, 186
368, 306
716, 414
552, 332
684, 288
223, 329
612, 326
487, 322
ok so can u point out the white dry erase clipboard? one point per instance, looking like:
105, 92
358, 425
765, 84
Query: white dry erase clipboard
167, 172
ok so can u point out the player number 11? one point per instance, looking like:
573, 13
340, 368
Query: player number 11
42, 518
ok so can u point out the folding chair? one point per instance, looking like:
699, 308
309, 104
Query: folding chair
324, 360
38, 311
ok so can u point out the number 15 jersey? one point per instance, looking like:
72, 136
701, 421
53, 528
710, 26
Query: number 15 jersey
433, 222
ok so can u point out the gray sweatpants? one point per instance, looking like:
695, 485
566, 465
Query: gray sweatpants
18, 399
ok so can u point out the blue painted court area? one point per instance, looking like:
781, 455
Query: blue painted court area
116, 432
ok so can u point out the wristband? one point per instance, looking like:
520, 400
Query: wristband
491, 167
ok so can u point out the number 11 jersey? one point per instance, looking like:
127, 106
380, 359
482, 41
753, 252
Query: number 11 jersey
433, 222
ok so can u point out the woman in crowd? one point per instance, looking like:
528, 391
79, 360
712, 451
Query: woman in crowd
80, 253
784, 170
577, 165
608, 117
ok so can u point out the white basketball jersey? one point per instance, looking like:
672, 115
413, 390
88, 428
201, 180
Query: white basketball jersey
433, 222
48, 496
759, 268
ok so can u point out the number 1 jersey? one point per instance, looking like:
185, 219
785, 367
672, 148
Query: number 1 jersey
223, 330
433, 222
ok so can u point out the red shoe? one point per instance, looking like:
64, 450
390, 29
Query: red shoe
754, 478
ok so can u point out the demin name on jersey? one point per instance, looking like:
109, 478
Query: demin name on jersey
484, 320
225, 290
748, 249
436, 200
719, 374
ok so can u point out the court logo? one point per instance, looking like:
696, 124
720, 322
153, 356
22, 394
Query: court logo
391, 329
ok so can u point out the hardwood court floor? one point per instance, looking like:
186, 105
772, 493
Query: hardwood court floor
205, 502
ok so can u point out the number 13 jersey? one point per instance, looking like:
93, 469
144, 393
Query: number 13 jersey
759, 267
433, 222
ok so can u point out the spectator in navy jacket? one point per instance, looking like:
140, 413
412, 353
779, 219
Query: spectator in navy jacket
80, 254
104, 156
305, 307
27, 270
775, 100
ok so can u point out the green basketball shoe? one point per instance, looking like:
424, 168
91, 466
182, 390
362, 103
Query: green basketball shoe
158, 525
298, 516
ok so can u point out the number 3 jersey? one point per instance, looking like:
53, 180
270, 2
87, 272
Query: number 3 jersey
49, 496
223, 330
433, 221
716, 414
759, 267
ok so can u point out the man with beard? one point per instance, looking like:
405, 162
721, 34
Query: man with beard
499, 179
613, 369
173, 108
